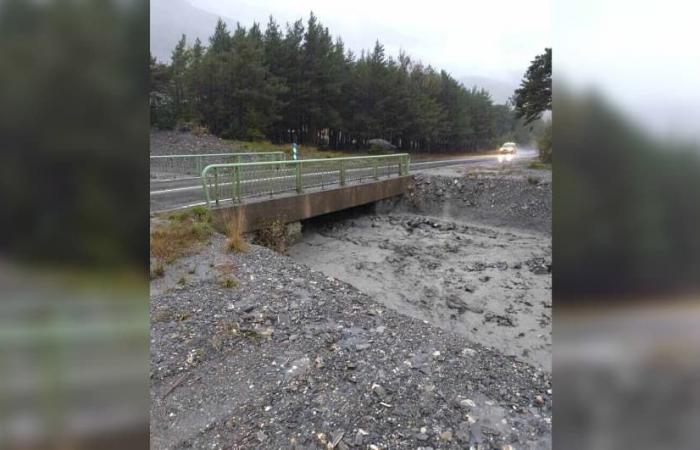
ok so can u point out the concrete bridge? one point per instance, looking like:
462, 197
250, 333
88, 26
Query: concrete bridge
184, 189
252, 195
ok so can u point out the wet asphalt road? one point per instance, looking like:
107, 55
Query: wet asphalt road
167, 195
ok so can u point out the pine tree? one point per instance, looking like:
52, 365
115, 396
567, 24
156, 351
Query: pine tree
534, 96
304, 86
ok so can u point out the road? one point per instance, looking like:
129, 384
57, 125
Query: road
168, 195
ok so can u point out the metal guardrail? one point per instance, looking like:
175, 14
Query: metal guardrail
194, 164
234, 182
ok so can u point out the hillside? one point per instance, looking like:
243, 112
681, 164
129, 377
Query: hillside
171, 18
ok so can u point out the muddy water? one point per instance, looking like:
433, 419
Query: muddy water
491, 285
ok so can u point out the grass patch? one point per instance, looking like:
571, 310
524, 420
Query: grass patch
533, 180
312, 152
168, 315
306, 151
234, 238
538, 165
179, 235
230, 283
157, 271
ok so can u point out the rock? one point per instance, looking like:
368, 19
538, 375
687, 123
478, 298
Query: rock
467, 403
379, 391
446, 436
359, 437
462, 433
468, 352
299, 367
337, 436
422, 437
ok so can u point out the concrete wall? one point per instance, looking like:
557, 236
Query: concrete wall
254, 215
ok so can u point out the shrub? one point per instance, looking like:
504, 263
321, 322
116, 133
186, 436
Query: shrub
200, 130
230, 283
544, 144
235, 240
175, 238
157, 271
539, 165
201, 213
378, 150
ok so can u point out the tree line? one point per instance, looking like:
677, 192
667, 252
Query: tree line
300, 84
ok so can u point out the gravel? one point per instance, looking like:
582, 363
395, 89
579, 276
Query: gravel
165, 142
506, 197
291, 358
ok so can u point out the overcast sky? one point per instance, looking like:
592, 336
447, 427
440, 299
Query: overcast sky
495, 39
644, 55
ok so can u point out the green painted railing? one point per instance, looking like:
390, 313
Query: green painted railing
234, 182
174, 165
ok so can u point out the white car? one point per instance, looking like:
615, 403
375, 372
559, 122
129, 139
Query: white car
509, 147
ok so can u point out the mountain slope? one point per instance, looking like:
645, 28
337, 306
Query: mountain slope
171, 18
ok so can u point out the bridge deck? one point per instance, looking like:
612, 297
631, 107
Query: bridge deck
254, 212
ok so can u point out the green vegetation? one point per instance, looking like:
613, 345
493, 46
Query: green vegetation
538, 165
307, 151
273, 87
534, 96
181, 232
234, 238
170, 315
544, 144
230, 283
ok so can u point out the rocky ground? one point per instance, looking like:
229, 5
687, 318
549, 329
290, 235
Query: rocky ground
510, 196
164, 142
291, 358
256, 350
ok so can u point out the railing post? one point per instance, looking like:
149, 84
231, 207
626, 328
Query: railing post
342, 172
376, 173
299, 187
216, 186
237, 183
